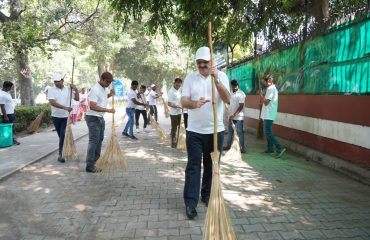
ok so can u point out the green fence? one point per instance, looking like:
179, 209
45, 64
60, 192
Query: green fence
335, 62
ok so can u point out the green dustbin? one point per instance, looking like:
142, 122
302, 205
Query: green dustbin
6, 135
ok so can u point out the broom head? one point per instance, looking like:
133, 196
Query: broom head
153, 122
36, 123
112, 159
181, 142
218, 225
69, 147
234, 151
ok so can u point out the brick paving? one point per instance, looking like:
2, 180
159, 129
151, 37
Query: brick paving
288, 198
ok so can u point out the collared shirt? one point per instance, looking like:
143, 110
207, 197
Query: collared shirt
7, 100
152, 99
140, 98
237, 98
61, 96
174, 96
200, 120
269, 112
99, 95
131, 94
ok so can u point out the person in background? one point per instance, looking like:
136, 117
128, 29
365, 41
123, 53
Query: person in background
7, 106
141, 109
237, 116
84, 104
174, 102
269, 103
75, 110
153, 102
59, 98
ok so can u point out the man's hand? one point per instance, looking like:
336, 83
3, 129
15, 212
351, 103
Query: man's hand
6, 119
214, 72
74, 87
69, 109
201, 102
232, 117
112, 92
111, 110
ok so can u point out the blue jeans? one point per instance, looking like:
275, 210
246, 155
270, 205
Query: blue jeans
96, 126
130, 123
239, 130
199, 145
270, 137
60, 125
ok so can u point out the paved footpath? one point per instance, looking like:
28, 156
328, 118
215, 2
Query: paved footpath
269, 198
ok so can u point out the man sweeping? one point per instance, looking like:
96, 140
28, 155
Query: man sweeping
174, 102
237, 116
130, 111
141, 109
7, 106
197, 97
153, 95
268, 114
95, 118
59, 98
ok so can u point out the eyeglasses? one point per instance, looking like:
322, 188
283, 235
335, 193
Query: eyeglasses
200, 62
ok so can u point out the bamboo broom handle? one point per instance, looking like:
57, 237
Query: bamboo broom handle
73, 70
215, 140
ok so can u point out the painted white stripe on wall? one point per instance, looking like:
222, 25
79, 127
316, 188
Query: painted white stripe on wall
344, 132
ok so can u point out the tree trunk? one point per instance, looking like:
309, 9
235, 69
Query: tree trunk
24, 78
101, 69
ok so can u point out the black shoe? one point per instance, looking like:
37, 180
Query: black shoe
133, 137
280, 153
173, 145
243, 150
191, 213
125, 134
61, 160
226, 148
205, 200
268, 152
15, 142
92, 170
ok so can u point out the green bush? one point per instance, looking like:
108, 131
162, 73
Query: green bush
25, 115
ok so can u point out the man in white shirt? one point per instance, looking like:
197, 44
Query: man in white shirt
140, 109
237, 116
196, 97
98, 97
153, 102
7, 106
174, 102
268, 114
130, 111
59, 98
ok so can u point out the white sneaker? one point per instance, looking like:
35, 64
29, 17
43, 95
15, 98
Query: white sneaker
137, 130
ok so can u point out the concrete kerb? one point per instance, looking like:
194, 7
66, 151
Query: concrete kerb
339, 165
7, 175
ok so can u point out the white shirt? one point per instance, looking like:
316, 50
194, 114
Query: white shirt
237, 98
7, 100
269, 112
200, 120
152, 99
99, 95
61, 96
174, 96
140, 98
131, 94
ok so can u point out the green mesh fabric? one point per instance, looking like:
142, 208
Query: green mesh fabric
333, 63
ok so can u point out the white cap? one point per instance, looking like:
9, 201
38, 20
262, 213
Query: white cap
57, 77
203, 53
153, 85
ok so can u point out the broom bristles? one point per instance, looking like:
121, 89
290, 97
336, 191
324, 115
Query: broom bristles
112, 159
69, 147
218, 224
36, 123
153, 123
181, 143
234, 151
156, 126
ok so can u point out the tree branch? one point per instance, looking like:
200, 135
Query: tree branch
3, 17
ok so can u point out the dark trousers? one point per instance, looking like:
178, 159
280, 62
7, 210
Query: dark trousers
137, 116
199, 145
175, 124
60, 125
11, 120
153, 111
96, 126
186, 120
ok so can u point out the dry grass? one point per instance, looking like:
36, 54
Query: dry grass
36, 123
112, 159
69, 147
234, 152
218, 225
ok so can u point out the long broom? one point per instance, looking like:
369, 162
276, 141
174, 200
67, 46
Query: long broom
234, 151
181, 136
34, 126
218, 224
112, 159
156, 126
166, 110
69, 147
